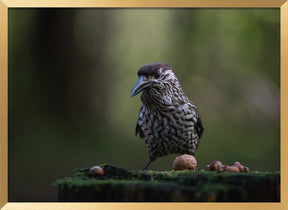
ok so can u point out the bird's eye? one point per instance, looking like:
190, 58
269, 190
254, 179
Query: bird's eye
157, 75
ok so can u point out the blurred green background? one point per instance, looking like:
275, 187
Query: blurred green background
71, 71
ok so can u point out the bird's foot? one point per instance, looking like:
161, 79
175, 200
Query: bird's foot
145, 168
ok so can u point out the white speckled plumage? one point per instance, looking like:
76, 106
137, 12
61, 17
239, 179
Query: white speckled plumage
168, 121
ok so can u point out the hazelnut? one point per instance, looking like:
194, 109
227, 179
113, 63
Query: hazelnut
96, 171
239, 165
236, 163
216, 165
184, 162
232, 169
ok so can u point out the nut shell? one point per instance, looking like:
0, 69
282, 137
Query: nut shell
184, 162
239, 165
216, 165
232, 169
96, 171
246, 169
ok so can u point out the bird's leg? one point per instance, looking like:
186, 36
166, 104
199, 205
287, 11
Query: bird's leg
145, 168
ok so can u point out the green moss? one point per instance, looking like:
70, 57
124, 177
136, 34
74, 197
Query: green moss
120, 184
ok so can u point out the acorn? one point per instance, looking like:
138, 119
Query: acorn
232, 169
96, 171
184, 162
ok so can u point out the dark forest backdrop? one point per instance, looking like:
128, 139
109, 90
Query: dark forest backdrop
71, 71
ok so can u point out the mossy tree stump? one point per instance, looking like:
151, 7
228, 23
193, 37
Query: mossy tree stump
119, 184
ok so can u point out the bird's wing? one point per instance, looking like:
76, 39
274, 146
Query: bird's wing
198, 126
139, 131
196, 119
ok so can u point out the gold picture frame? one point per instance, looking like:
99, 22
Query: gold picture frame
5, 4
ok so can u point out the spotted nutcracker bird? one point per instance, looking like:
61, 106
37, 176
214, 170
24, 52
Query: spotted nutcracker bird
168, 121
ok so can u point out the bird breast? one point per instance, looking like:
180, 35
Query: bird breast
176, 122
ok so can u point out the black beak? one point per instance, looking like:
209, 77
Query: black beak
140, 85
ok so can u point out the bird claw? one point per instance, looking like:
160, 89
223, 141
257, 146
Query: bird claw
145, 168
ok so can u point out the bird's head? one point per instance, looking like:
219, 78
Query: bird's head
153, 75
